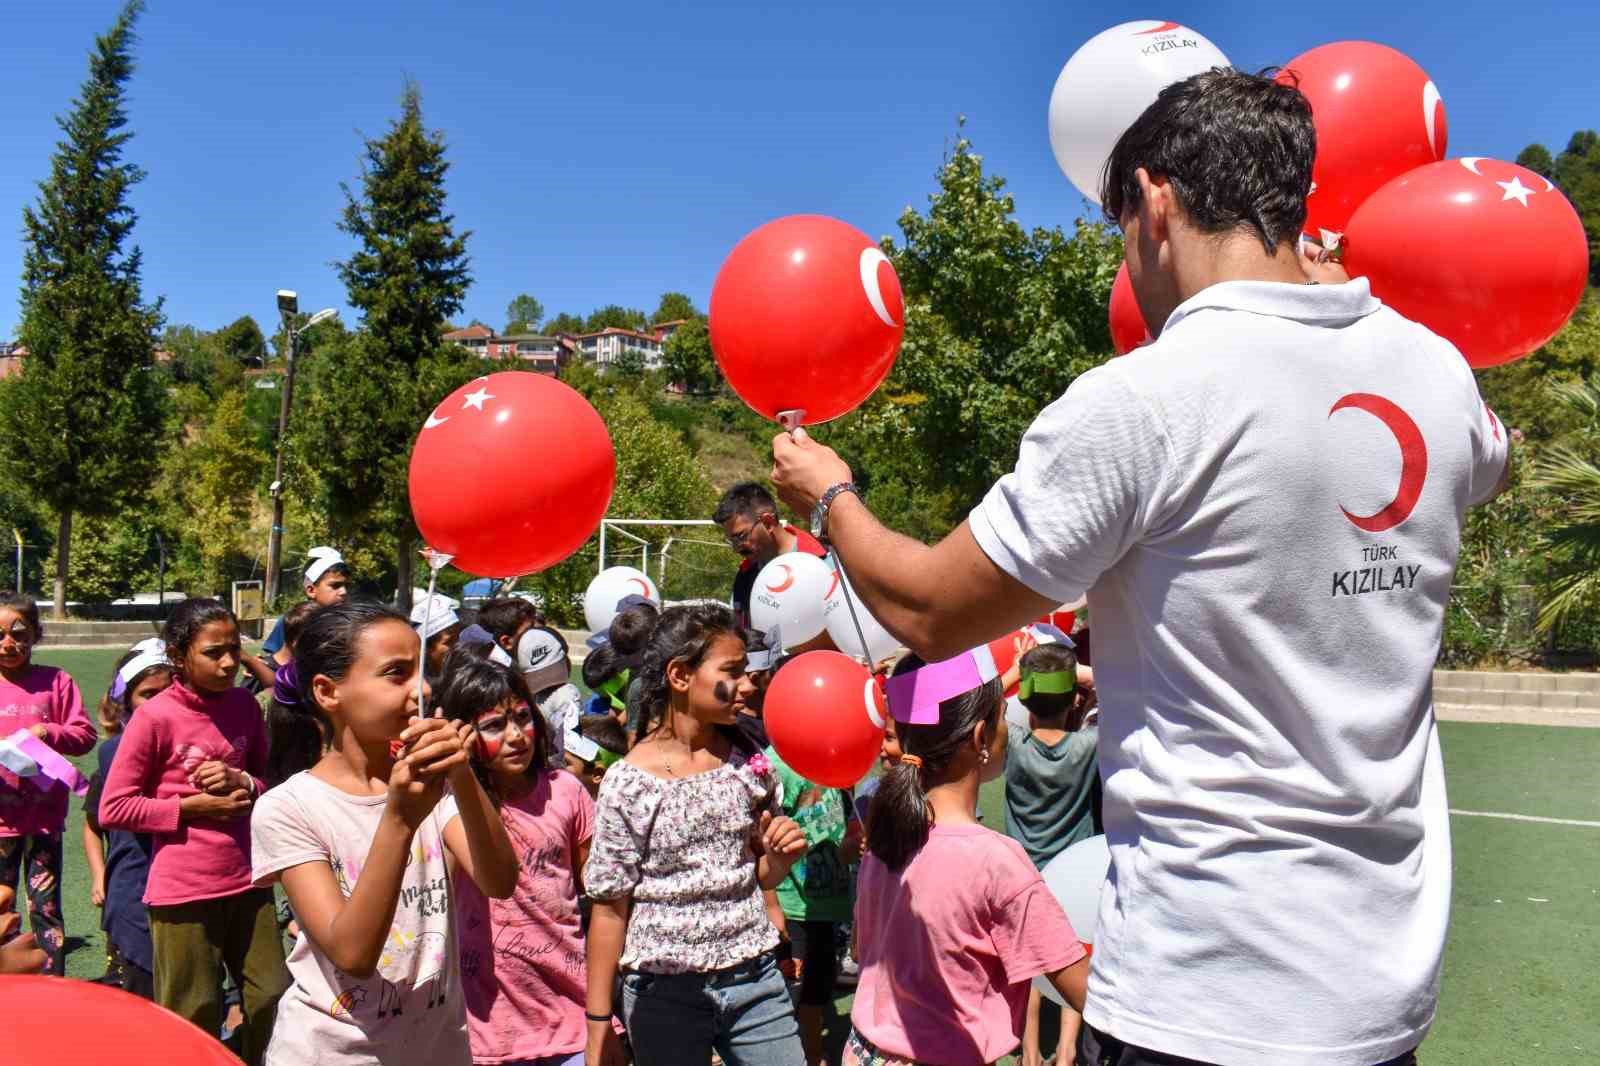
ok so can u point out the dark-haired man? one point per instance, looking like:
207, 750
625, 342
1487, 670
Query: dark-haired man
749, 519
1265, 507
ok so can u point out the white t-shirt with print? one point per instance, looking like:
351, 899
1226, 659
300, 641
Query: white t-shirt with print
1265, 509
410, 1011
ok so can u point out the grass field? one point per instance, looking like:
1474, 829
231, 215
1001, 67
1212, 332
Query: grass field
1521, 981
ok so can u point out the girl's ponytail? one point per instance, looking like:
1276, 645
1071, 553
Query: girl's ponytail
899, 819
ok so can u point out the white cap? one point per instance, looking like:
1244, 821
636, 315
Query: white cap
319, 561
432, 617
542, 660
155, 645
142, 662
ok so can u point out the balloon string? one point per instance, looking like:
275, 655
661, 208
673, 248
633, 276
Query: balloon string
427, 621
850, 604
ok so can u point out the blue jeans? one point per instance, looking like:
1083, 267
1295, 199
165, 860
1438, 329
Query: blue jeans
744, 1012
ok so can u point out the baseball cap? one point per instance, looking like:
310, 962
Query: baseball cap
430, 618
542, 661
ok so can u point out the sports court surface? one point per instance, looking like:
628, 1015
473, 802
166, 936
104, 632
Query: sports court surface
1521, 978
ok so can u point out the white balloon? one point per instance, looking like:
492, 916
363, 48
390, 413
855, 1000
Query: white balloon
1109, 82
789, 596
1075, 878
608, 588
842, 630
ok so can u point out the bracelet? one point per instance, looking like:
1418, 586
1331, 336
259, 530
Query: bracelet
597, 1017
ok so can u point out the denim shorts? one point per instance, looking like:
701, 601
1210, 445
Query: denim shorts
742, 1012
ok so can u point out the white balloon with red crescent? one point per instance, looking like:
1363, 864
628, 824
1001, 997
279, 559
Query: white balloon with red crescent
843, 626
789, 596
608, 588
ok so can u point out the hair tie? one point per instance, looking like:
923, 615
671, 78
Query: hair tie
286, 684
911, 760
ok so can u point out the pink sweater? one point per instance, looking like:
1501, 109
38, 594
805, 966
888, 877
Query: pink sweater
47, 695
170, 736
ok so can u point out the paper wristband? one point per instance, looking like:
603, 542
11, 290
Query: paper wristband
914, 698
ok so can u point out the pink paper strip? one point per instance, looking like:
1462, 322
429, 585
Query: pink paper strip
51, 764
914, 698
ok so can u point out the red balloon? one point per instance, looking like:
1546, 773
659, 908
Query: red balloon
1128, 330
806, 314
511, 474
51, 1021
825, 714
1062, 620
1377, 115
1488, 255
1004, 651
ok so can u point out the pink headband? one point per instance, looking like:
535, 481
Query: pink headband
914, 698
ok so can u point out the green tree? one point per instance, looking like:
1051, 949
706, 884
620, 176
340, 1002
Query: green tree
208, 486
78, 419
242, 342
112, 556
630, 362
1576, 171
564, 323
1536, 157
674, 306
1516, 391
614, 316
524, 314
407, 276
687, 357
1571, 473
999, 321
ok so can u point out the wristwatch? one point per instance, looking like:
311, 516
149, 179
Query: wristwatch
819, 513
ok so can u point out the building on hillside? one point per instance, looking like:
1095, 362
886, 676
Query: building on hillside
604, 348
547, 355
10, 358
664, 330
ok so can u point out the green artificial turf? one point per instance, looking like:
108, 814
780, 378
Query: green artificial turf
1520, 981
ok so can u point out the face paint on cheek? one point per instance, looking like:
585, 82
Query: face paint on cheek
489, 747
725, 691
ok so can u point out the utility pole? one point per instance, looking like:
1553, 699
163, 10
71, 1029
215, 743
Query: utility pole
288, 306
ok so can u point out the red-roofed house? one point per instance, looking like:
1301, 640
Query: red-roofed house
544, 354
606, 347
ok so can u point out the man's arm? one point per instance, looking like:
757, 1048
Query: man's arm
939, 600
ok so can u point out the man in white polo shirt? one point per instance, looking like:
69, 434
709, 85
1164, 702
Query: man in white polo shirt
1265, 508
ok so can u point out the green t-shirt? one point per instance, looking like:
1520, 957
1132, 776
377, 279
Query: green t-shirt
819, 886
1050, 791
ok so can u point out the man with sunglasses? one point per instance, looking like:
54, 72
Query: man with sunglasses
749, 519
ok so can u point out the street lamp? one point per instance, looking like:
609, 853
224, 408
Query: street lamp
288, 307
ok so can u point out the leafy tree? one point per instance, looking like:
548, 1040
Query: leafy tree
687, 357
999, 321
408, 275
524, 314
564, 323
112, 556
1571, 473
630, 362
242, 342
208, 486
1536, 157
1516, 391
78, 419
614, 316
1576, 171
673, 307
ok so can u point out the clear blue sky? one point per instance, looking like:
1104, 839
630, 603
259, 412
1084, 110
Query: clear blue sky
608, 150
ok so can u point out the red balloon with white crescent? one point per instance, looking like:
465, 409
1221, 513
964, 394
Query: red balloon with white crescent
806, 314
1488, 255
1128, 330
1377, 114
825, 715
511, 473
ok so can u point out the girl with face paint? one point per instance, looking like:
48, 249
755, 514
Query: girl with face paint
522, 957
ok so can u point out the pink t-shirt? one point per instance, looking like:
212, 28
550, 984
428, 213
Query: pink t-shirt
522, 958
946, 958
172, 734
48, 695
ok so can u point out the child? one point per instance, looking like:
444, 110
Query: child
606, 675
260, 672
363, 842
189, 767
952, 920
506, 619
120, 867
436, 622
546, 670
43, 701
628, 635
1050, 774
815, 897
593, 747
327, 582
522, 958
684, 843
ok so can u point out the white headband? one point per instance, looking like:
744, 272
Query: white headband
319, 561
139, 664
429, 623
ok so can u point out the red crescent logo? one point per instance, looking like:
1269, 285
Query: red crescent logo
1165, 27
644, 587
1413, 460
834, 584
788, 579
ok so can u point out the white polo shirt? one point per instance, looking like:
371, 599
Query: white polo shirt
1265, 509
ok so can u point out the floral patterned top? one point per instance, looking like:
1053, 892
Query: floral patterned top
682, 850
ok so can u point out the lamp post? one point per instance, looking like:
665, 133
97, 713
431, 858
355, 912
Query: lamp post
288, 306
